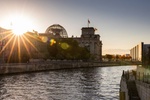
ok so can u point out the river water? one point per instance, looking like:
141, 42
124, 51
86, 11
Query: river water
100, 83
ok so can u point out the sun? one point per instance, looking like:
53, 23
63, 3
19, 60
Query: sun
20, 24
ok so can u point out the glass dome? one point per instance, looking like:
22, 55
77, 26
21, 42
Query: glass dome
57, 30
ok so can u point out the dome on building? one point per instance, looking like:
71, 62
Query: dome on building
57, 30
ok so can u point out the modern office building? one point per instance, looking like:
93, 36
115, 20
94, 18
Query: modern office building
136, 52
140, 52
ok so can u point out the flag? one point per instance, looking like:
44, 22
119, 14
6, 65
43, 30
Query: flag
95, 29
88, 21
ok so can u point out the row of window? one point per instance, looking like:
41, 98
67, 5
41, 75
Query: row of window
89, 42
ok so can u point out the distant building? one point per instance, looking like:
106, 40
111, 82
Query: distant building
3, 40
140, 52
126, 55
88, 39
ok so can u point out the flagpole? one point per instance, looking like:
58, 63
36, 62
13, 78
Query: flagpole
88, 22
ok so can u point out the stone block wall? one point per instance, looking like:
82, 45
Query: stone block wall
143, 90
123, 88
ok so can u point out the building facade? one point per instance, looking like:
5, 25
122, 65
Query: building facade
136, 52
88, 39
91, 41
140, 52
4, 33
33, 45
14, 49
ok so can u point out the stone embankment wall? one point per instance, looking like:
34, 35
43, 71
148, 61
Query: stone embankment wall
143, 90
128, 88
143, 82
123, 90
43, 66
31, 67
143, 74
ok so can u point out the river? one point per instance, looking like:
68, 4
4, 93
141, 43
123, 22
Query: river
99, 83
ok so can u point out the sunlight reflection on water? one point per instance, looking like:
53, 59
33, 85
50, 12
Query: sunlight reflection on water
101, 83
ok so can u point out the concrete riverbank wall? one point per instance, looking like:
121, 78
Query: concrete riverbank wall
123, 90
143, 90
128, 88
43, 66
143, 82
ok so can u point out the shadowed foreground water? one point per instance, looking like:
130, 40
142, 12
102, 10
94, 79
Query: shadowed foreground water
101, 83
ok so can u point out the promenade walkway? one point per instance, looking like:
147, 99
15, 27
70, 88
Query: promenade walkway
131, 85
132, 91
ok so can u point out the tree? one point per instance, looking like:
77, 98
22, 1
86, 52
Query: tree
117, 57
123, 57
68, 49
109, 57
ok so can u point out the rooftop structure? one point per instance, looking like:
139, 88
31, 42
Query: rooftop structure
92, 42
57, 30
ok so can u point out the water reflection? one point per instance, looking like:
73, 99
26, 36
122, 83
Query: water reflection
69, 84
90, 84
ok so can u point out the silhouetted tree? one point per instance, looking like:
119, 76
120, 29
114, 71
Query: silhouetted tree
68, 49
117, 57
109, 57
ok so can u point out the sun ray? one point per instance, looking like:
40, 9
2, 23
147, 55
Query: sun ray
33, 37
31, 44
5, 37
21, 24
16, 42
12, 49
19, 57
7, 44
25, 45
5, 32
14, 38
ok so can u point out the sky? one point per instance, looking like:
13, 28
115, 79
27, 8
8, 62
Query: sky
122, 24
